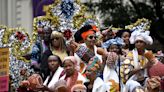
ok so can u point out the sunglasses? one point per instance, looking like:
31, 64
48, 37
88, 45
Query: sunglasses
56, 38
91, 37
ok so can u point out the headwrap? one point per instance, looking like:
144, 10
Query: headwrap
153, 82
79, 86
117, 41
56, 34
141, 35
94, 64
73, 60
60, 84
87, 30
35, 81
78, 33
95, 28
85, 34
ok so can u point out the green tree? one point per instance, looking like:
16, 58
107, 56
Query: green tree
119, 14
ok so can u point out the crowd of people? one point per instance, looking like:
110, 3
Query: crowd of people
94, 61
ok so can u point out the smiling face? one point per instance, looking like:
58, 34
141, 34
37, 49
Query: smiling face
69, 67
91, 40
114, 48
125, 36
139, 44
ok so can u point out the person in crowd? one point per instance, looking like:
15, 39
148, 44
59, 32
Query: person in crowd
41, 52
91, 73
113, 60
160, 56
77, 34
71, 74
30, 84
79, 87
58, 45
125, 35
88, 36
109, 71
60, 86
55, 69
107, 34
157, 67
115, 45
54, 66
96, 82
155, 73
134, 68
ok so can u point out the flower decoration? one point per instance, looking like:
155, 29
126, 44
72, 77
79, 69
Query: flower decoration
70, 14
67, 34
64, 10
15, 68
140, 25
18, 40
43, 22
81, 20
20, 36
92, 20
115, 30
67, 8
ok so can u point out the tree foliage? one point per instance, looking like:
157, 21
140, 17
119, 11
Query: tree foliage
118, 13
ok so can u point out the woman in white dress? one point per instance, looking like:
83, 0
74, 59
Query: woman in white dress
134, 68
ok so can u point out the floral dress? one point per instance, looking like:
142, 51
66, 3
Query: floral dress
133, 61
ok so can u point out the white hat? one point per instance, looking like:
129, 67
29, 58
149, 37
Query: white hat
144, 36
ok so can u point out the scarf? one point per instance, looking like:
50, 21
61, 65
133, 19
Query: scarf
71, 80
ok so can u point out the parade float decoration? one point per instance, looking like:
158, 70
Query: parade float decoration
43, 23
2, 31
19, 41
67, 16
140, 25
19, 44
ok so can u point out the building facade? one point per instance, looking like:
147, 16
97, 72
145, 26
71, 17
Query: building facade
16, 13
